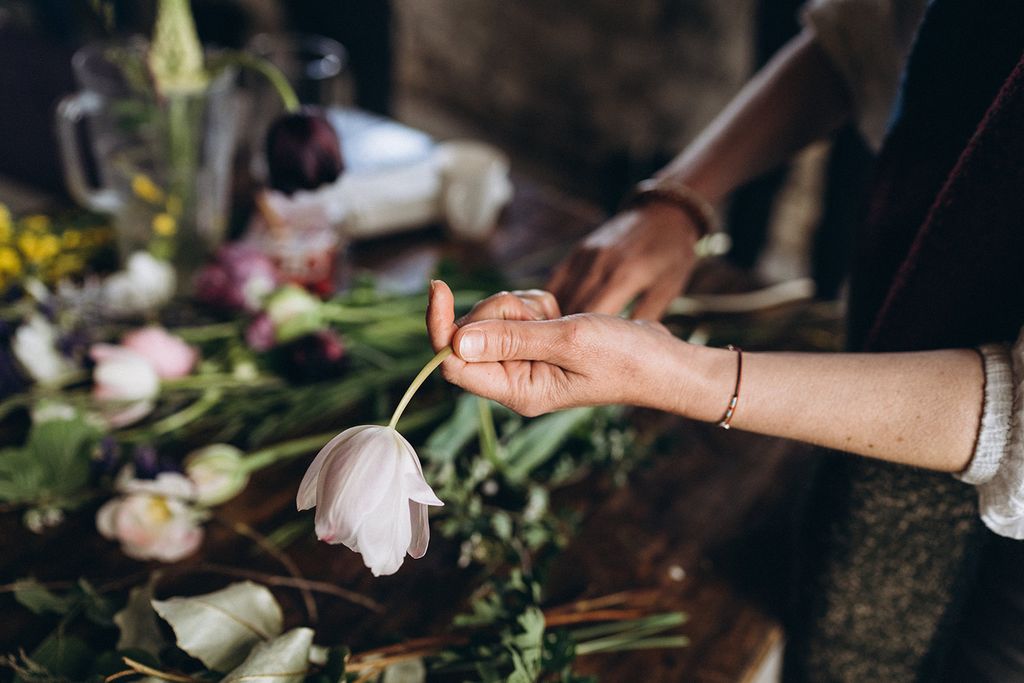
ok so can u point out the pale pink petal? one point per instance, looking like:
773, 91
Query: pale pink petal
354, 480
420, 530
306, 497
385, 535
105, 518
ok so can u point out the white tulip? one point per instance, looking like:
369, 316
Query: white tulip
370, 495
122, 374
35, 346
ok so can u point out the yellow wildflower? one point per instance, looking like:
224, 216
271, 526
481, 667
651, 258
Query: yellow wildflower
36, 223
10, 262
72, 239
5, 224
164, 224
174, 205
65, 265
38, 248
146, 190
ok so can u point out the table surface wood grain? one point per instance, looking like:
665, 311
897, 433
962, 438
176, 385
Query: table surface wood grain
702, 525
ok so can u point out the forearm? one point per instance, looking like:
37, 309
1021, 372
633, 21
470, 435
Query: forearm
795, 99
920, 409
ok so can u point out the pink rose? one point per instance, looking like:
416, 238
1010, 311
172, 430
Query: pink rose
169, 355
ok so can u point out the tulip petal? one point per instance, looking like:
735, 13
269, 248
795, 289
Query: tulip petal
385, 536
417, 489
355, 479
306, 497
420, 530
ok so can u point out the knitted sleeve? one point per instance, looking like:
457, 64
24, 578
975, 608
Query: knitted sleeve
997, 467
868, 42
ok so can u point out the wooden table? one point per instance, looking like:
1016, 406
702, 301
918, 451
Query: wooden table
702, 526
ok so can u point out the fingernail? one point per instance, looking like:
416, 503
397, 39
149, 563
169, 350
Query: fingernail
432, 284
471, 346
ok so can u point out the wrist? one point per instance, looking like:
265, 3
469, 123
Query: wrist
703, 382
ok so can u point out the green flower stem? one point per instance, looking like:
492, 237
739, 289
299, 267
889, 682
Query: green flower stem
200, 407
265, 457
264, 68
203, 333
424, 373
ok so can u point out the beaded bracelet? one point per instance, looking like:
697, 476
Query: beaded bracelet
730, 410
699, 210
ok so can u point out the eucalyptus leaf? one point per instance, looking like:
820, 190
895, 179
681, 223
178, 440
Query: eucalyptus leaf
137, 621
221, 628
282, 660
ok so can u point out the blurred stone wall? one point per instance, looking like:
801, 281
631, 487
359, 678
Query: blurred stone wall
593, 93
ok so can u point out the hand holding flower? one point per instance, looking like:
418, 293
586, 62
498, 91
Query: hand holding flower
519, 355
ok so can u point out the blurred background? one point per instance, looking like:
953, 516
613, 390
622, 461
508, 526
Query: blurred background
589, 95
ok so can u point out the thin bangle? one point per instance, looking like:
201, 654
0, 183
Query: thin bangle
730, 410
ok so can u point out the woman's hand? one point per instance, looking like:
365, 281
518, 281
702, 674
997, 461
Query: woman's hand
646, 252
514, 349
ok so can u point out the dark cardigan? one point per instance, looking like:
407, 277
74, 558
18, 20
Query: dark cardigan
889, 553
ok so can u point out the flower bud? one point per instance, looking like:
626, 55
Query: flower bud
293, 312
122, 374
169, 355
303, 152
217, 472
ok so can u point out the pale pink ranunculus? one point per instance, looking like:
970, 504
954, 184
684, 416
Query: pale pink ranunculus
370, 495
169, 354
151, 527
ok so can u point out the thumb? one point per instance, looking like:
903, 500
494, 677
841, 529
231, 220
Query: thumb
493, 340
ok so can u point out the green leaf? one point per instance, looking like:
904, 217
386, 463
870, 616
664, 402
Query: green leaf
455, 432
53, 465
535, 443
221, 628
63, 656
40, 599
137, 622
282, 660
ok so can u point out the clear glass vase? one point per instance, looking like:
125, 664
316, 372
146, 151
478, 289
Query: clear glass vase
161, 163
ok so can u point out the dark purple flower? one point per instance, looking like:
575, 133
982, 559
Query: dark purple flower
148, 463
314, 356
106, 458
303, 151
241, 276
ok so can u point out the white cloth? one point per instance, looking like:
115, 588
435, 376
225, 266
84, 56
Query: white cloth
997, 467
868, 41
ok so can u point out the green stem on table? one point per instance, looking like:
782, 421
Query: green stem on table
419, 379
175, 421
488, 434
204, 333
265, 457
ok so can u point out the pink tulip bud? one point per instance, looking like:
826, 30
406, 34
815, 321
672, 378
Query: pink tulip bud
169, 355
